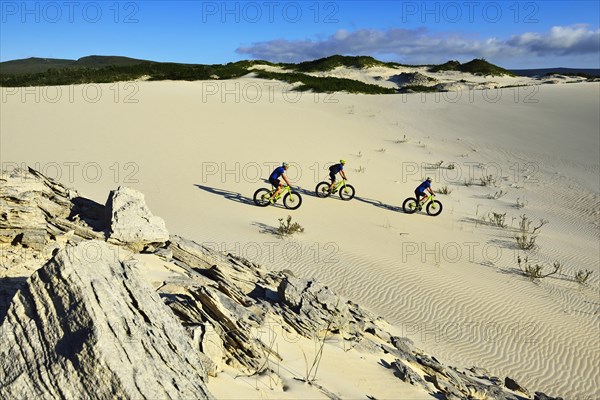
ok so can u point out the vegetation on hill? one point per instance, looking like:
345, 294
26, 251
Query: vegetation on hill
325, 84
172, 71
419, 88
478, 66
155, 71
332, 62
108, 69
106, 61
37, 65
32, 65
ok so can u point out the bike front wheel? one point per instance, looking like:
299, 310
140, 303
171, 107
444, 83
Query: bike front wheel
347, 192
292, 200
261, 197
410, 205
322, 189
434, 208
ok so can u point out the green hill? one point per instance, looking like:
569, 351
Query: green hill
105, 61
36, 65
477, 66
332, 62
32, 65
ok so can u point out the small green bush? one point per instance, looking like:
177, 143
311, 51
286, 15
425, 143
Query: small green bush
445, 190
288, 227
582, 276
497, 219
526, 235
488, 180
536, 271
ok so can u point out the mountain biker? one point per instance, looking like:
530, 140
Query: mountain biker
274, 179
420, 191
335, 169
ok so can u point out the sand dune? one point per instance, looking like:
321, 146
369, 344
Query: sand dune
450, 283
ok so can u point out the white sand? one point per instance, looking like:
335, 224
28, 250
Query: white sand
450, 283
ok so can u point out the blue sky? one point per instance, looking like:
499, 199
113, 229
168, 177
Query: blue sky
513, 34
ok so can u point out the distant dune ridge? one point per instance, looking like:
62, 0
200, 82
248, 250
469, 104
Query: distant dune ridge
355, 74
34, 65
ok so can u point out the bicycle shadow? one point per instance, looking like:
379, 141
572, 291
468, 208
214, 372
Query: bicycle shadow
306, 192
378, 203
229, 195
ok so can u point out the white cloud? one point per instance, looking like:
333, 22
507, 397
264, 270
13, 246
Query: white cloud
561, 40
423, 46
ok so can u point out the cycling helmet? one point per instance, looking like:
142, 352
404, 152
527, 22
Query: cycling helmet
342, 161
285, 164
429, 179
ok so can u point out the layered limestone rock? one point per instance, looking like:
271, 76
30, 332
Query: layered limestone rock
38, 216
131, 222
86, 326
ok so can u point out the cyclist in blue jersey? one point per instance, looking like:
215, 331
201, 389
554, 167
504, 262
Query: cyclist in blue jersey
334, 170
276, 182
420, 191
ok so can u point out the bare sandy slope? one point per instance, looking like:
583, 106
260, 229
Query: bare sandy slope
451, 283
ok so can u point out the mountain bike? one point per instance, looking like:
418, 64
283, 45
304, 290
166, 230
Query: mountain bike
291, 199
346, 192
433, 207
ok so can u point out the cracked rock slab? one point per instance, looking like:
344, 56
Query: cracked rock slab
87, 326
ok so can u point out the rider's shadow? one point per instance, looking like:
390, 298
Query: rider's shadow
379, 204
229, 195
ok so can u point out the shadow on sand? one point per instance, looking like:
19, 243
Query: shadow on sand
266, 229
378, 203
229, 195
306, 192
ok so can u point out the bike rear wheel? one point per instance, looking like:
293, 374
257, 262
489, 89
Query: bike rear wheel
322, 189
261, 197
292, 200
410, 205
434, 208
347, 193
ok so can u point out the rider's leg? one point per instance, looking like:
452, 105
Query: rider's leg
418, 197
277, 192
276, 183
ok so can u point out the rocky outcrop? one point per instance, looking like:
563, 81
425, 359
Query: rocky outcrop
37, 217
86, 326
514, 385
132, 223
542, 396
237, 298
31, 207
